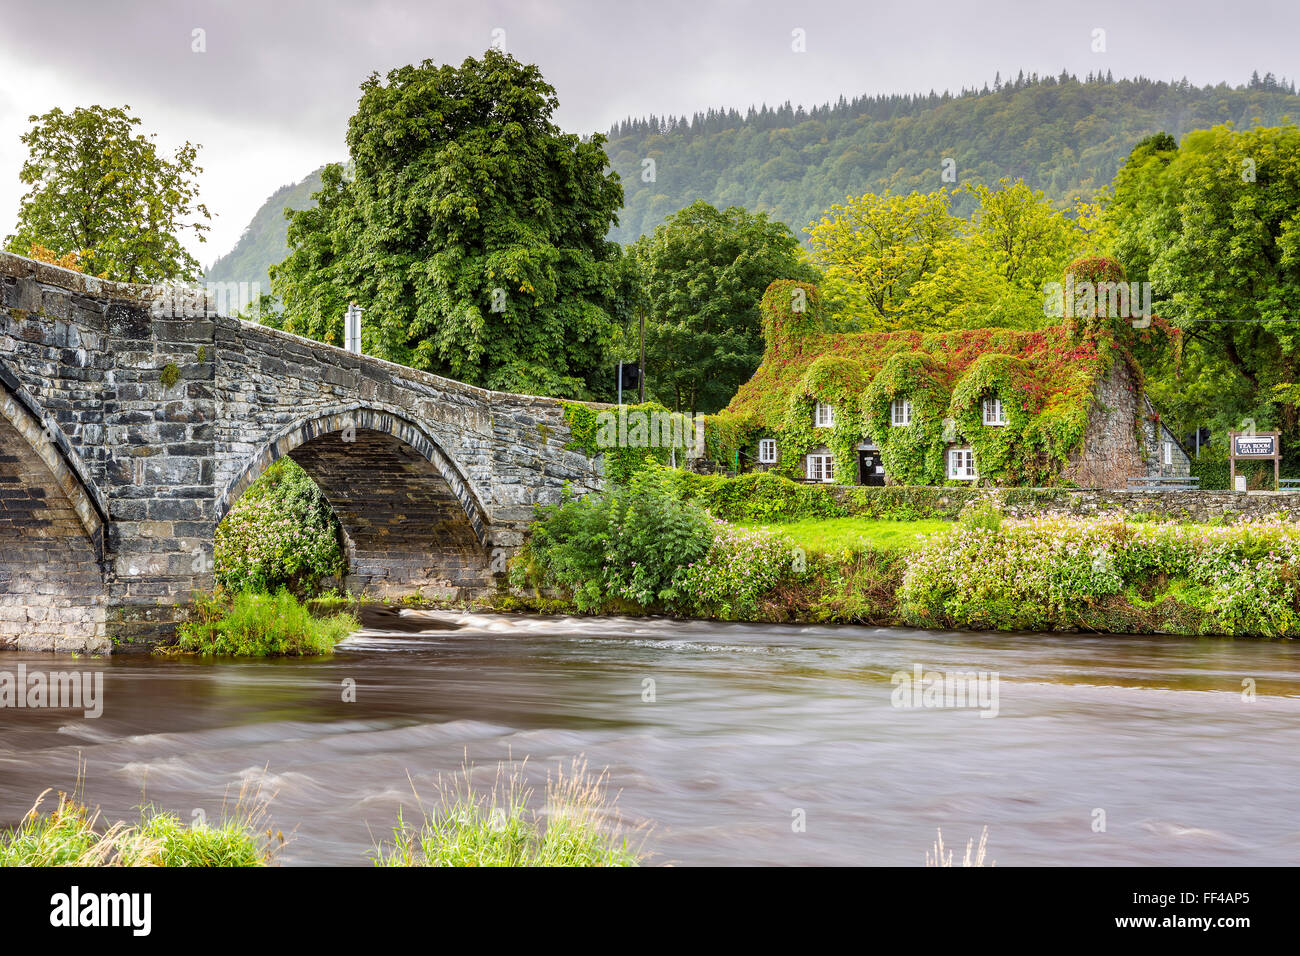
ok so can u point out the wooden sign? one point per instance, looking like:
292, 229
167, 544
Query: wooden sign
1254, 447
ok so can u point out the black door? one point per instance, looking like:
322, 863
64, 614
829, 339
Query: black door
868, 463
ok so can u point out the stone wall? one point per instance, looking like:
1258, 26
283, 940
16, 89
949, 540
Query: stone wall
1189, 505
146, 423
1110, 454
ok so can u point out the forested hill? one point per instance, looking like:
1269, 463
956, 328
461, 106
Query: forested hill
1060, 134
264, 243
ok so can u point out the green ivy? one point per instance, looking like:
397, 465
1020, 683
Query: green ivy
621, 462
1045, 379
912, 454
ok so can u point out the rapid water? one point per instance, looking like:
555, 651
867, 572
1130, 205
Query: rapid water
748, 726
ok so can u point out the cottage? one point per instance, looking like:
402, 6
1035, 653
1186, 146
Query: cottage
1063, 405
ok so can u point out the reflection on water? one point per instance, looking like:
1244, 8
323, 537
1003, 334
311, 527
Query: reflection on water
748, 724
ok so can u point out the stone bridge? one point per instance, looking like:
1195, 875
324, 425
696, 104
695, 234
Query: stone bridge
127, 431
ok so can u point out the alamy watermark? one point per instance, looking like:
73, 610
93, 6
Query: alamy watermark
637, 428
920, 688
74, 909
61, 690
175, 301
1116, 300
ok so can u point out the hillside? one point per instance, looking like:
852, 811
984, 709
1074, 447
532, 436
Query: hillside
1060, 134
262, 243
1064, 136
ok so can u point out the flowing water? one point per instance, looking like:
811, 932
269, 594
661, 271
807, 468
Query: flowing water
1103, 750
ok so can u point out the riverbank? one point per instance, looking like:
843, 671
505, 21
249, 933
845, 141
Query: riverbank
654, 548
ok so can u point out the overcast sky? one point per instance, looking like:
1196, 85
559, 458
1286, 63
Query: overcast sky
270, 98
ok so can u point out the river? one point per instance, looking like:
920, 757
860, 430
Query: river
1103, 750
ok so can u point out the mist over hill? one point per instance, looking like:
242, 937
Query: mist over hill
263, 242
1061, 134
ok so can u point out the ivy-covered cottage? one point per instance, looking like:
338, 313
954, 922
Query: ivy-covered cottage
1063, 405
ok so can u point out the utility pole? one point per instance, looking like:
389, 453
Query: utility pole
641, 377
352, 329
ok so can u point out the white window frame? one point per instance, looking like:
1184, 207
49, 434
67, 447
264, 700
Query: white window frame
995, 412
767, 451
1169, 452
900, 412
820, 468
823, 415
965, 473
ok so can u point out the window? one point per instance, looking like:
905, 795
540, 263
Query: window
961, 464
1169, 453
901, 412
767, 451
824, 416
821, 468
993, 411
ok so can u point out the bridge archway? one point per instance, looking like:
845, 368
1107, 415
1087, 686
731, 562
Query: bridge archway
410, 518
53, 594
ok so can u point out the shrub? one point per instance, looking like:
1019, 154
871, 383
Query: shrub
741, 566
280, 533
980, 516
766, 496
625, 544
1057, 573
758, 496
261, 625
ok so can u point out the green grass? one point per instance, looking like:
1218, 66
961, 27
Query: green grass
498, 829
262, 625
72, 835
855, 534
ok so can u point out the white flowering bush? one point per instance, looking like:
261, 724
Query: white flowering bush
1049, 572
280, 533
741, 566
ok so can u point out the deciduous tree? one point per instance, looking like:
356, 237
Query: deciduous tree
470, 229
704, 271
100, 191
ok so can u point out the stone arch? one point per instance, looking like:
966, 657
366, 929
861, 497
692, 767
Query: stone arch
410, 517
22, 413
52, 576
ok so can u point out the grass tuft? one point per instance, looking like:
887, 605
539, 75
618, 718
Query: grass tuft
469, 828
73, 835
942, 856
262, 625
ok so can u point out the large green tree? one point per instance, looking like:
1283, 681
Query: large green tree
470, 229
907, 262
874, 249
994, 271
704, 272
1213, 223
101, 191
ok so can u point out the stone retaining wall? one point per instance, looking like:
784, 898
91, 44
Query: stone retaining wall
1180, 505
